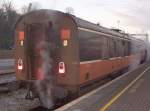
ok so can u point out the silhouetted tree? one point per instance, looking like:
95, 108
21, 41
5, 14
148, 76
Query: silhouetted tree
30, 7
8, 17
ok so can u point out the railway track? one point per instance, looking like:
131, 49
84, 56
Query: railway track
7, 81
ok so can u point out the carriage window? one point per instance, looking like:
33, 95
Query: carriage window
111, 48
123, 42
90, 46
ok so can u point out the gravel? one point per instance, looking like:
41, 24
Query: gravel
15, 101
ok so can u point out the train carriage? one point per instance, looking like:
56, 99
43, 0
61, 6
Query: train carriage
62, 53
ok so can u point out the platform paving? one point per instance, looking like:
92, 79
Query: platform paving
135, 98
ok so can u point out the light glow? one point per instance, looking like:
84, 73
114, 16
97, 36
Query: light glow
20, 67
65, 43
21, 35
61, 68
21, 43
65, 34
20, 64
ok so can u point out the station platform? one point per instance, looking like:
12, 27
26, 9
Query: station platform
129, 92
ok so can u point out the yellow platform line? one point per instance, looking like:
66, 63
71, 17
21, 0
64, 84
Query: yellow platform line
123, 91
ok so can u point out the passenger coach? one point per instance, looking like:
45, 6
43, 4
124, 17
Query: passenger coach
70, 53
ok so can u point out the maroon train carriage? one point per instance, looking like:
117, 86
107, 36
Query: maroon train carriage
58, 54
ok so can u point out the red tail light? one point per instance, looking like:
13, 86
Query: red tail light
65, 34
20, 64
61, 67
21, 35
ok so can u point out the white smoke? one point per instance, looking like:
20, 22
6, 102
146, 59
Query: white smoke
45, 86
135, 61
148, 51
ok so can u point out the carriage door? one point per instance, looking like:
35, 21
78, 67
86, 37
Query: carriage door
36, 37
